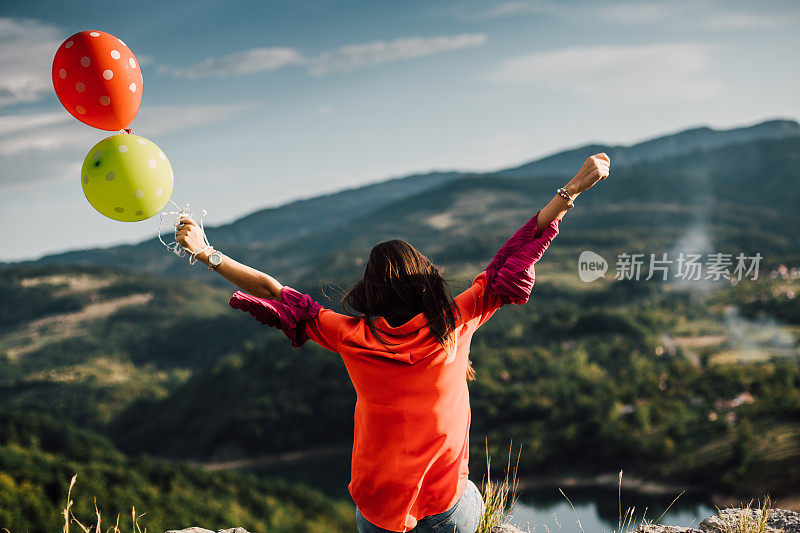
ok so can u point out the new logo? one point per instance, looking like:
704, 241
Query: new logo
591, 266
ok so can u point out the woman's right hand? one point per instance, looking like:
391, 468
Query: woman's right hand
594, 169
189, 235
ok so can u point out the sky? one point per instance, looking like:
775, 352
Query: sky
257, 103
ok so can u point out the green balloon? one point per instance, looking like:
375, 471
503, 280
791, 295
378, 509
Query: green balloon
127, 178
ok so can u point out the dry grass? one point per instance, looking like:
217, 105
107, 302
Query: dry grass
499, 497
69, 517
748, 519
626, 522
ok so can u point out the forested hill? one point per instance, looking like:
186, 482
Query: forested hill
259, 237
646, 369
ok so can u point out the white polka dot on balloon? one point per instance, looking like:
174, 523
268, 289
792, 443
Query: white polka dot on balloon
94, 34
68, 44
80, 110
132, 87
151, 163
123, 148
159, 192
85, 61
138, 194
115, 54
132, 63
141, 141
162, 156
105, 100
80, 87
62, 73
107, 74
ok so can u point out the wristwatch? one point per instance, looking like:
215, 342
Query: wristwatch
214, 260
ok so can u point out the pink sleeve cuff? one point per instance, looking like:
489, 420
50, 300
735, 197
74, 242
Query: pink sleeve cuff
511, 274
287, 314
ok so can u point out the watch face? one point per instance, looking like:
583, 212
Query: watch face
215, 259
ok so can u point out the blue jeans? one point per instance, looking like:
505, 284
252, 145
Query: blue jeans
463, 517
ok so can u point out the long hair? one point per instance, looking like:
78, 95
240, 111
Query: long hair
399, 283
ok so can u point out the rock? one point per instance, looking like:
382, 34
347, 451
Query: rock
506, 528
204, 530
778, 521
655, 528
789, 521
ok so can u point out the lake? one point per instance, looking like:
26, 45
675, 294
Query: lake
597, 508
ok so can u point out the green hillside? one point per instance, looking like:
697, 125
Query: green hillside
556, 374
587, 377
83, 343
39, 455
612, 365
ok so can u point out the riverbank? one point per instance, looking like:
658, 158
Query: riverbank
649, 487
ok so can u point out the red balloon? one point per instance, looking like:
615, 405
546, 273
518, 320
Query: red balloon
98, 80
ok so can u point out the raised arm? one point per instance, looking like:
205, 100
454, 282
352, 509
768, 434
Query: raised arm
250, 280
511, 274
594, 169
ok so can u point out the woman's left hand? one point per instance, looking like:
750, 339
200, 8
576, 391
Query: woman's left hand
594, 169
189, 235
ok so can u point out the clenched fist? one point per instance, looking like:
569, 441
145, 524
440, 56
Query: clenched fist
594, 169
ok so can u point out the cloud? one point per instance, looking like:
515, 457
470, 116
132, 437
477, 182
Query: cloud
704, 14
38, 150
512, 8
740, 21
356, 56
710, 14
483, 9
26, 54
50, 131
19, 123
649, 73
646, 12
246, 62
343, 59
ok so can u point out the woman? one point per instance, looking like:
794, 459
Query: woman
405, 342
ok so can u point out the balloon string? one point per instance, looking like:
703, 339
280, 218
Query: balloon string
174, 247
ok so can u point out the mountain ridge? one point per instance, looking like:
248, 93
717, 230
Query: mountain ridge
684, 141
271, 226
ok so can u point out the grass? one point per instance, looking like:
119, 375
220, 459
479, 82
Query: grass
69, 517
743, 521
625, 521
499, 497
747, 520
499, 500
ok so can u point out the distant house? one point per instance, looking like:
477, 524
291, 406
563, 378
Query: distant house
729, 405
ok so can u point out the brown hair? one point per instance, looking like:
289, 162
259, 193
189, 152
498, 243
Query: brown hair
399, 283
